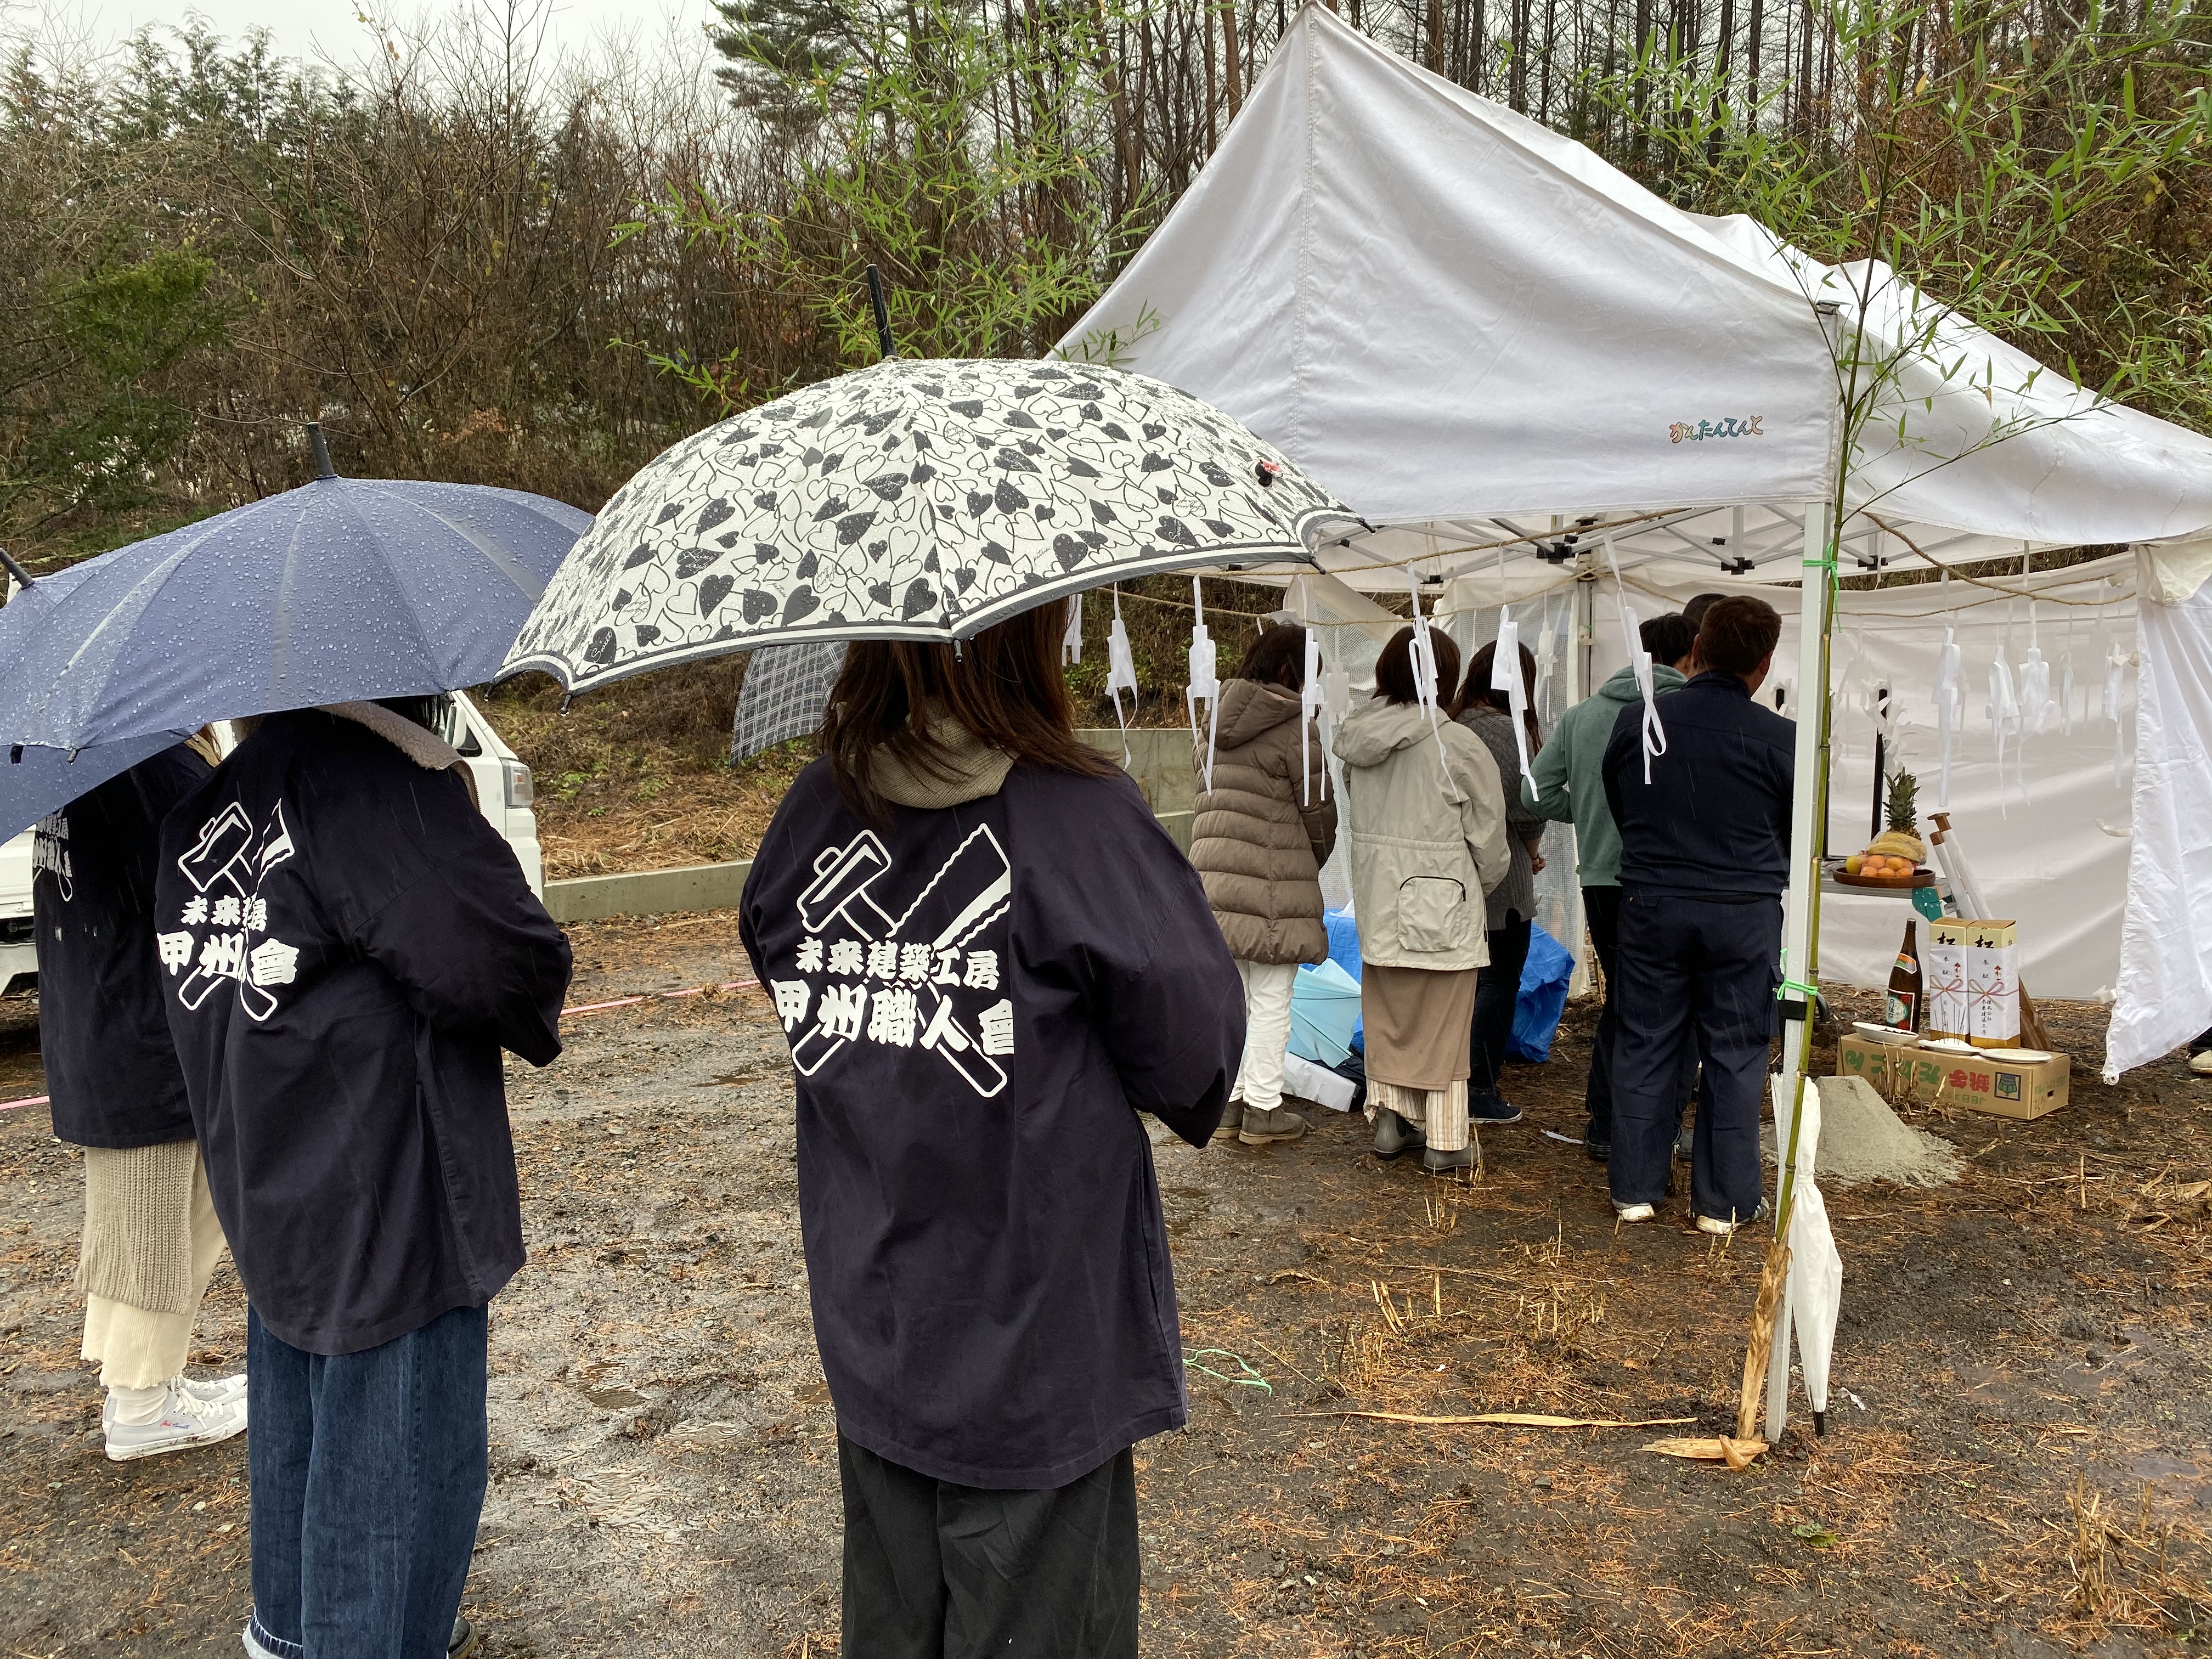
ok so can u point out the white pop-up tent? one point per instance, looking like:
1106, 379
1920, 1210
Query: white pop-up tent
1512, 359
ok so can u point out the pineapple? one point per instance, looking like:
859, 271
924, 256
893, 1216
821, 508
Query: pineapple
1901, 839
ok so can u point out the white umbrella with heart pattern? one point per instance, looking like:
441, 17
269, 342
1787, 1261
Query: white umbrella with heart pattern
922, 500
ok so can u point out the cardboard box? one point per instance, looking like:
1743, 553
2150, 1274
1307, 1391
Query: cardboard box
1980, 1082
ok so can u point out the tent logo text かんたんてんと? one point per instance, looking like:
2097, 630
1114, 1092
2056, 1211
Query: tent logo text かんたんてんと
1726, 427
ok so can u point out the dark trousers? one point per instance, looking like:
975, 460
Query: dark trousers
1497, 992
1602, 910
935, 1570
1706, 968
367, 1473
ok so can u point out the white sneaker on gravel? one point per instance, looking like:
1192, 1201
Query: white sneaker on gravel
183, 1422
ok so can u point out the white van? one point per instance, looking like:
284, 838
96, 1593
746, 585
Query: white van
504, 790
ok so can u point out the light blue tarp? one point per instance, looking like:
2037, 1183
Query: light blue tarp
1324, 1010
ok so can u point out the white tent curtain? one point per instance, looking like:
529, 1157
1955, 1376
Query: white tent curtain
2166, 947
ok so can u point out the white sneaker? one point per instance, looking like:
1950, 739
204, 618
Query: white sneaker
1720, 1228
210, 1390
2202, 1063
182, 1422
1634, 1211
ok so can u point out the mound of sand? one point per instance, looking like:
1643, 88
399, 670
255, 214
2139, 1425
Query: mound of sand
1862, 1139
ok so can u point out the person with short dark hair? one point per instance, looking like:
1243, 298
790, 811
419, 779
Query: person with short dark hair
1424, 820
1693, 613
988, 957
1263, 828
1570, 788
1705, 856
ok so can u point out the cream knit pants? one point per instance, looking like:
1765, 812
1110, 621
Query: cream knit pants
151, 1241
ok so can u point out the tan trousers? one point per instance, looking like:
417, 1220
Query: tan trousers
145, 1226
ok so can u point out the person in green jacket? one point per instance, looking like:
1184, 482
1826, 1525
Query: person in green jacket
1570, 788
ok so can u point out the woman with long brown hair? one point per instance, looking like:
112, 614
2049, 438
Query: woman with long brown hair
1425, 821
988, 957
1488, 712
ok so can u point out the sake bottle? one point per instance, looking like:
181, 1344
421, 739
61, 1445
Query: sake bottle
1903, 1012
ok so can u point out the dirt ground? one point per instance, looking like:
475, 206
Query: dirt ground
2017, 1459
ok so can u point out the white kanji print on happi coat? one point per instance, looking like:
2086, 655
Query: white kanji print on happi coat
50, 854
222, 934
927, 976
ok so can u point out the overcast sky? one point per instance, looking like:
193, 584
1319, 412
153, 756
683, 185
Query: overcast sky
333, 30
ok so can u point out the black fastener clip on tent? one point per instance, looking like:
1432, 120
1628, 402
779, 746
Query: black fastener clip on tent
322, 451
882, 311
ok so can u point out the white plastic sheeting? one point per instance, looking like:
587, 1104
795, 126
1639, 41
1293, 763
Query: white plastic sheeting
2165, 949
2049, 838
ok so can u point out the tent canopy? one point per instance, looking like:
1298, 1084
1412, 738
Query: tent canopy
1485, 339
1505, 354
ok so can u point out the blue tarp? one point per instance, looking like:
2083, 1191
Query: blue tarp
1324, 1010
1543, 997
1536, 1011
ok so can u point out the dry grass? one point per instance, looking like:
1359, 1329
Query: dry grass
637, 777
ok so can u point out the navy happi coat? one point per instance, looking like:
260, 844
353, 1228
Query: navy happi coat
347, 945
980, 1000
111, 1070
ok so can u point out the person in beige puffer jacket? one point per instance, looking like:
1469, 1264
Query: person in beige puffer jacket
1259, 839
1425, 818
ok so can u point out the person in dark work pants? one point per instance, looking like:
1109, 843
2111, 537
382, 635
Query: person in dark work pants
1704, 858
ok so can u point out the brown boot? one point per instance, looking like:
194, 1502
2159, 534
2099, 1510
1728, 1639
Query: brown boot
1262, 1127
1232, 1120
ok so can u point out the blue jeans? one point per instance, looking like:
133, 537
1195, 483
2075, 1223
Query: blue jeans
368, 1475
1707, 968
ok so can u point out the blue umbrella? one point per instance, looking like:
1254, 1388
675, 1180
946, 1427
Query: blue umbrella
36, 781
345, 588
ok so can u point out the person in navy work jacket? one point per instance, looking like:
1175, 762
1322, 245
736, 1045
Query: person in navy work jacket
151, 1239
988, 957
1705, 856
347, 946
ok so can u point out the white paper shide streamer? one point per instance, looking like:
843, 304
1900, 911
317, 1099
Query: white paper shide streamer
1946, 711
1121, 673
1655, 735
1424, 655
1311, 696
2004, 717
1547, 642
1071, 643
1205, 686
1505, 676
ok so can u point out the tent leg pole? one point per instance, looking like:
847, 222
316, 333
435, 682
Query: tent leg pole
1797, 920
